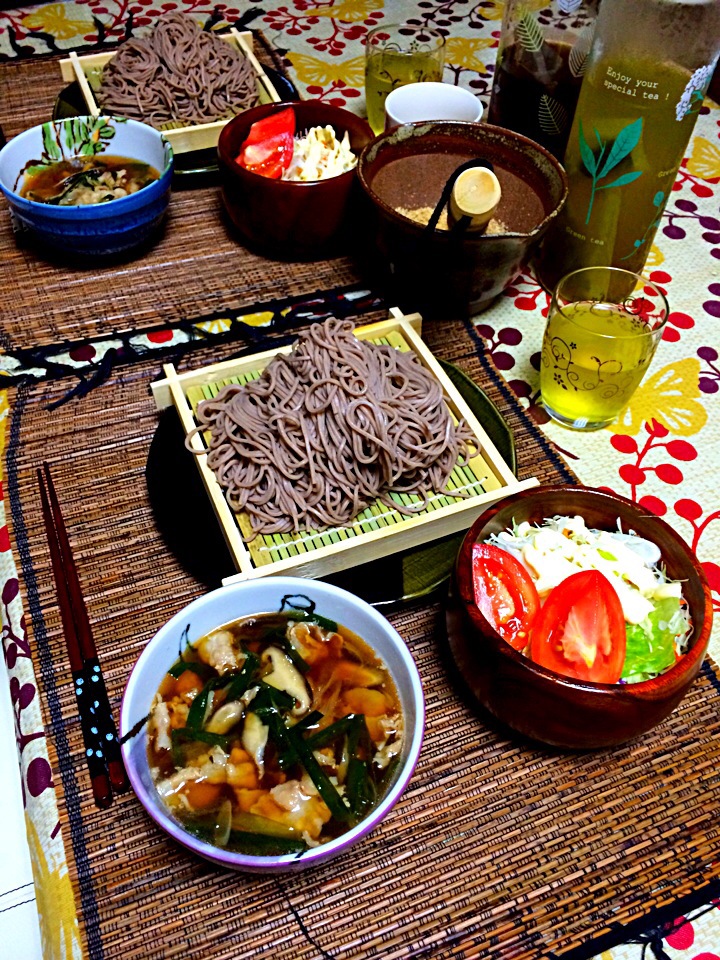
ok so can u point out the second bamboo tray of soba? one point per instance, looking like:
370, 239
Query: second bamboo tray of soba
379, 530
87, 72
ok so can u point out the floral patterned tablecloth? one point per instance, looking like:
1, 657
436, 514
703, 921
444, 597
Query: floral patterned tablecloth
664, 451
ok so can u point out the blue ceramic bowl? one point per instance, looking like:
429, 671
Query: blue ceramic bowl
92, 230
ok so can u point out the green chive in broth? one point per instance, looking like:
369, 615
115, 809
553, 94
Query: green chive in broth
274, 733
87, 180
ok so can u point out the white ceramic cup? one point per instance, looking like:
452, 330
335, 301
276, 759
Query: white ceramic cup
429, 100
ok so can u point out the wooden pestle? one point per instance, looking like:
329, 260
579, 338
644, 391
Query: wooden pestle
475, 196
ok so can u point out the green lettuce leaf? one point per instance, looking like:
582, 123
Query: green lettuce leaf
651, 644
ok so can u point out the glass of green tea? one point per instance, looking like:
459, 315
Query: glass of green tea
396, 54
603, 329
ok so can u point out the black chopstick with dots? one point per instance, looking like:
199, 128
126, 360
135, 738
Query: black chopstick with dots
102, 750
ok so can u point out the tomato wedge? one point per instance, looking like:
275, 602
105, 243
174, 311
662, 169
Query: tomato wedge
269, 145
580, 630
504, 593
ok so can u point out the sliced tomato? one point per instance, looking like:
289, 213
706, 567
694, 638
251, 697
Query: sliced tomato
268, 158
580, 630
281, 121
268, 147
504, 593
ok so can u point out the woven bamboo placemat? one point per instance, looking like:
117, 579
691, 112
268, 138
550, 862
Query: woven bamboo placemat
498, 847
197, 266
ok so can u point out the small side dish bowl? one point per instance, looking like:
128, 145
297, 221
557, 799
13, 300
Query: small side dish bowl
248, 598
285, 219
105, 229
538, 702
449, 272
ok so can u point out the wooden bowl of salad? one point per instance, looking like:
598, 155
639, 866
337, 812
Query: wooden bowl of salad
288, 176
576, 617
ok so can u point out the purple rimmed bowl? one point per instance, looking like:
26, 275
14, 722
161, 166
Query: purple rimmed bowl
231, 603
544, 705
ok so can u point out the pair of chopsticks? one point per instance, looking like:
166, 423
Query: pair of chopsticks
102, 749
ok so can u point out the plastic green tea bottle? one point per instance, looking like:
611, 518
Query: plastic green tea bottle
649, 67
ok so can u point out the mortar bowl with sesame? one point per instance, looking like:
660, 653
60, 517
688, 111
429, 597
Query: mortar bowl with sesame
443, 271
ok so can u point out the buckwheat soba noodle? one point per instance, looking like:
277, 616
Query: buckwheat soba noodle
328, 429
179, 72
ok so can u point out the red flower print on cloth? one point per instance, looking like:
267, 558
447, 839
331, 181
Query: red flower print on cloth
676, 322
692, 512
681, 935
160, 336
83, 353
528, 294
660, 278
336, 94
636, 473
327, 33
698, 186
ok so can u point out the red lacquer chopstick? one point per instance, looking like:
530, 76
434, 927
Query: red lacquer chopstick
102, 750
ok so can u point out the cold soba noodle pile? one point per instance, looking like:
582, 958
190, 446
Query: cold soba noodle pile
179, 72
330, 428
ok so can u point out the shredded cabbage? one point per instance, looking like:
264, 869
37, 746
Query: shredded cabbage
319, 155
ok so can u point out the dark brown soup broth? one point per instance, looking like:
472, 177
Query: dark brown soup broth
84, 180
274, 733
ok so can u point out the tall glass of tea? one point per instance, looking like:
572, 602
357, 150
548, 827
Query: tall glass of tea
396, 54
603, 329
539, 68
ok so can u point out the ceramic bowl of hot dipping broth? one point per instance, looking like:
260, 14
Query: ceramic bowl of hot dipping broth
443, 272
266, 596
285, 219
539, 702
108, 229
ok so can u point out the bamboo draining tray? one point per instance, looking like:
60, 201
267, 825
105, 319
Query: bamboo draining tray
378, 531
87, 71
